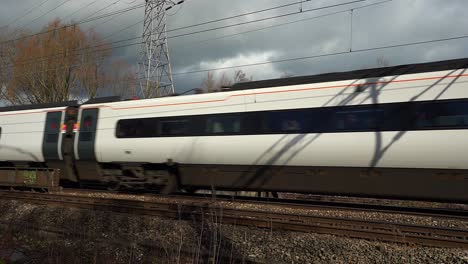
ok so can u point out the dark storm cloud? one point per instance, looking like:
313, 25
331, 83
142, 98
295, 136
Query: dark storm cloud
392, 23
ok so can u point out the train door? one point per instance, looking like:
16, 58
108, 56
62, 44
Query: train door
85, 143
87, 134
51, 144
57, 142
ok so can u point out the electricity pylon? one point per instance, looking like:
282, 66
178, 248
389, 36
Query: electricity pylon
154, 65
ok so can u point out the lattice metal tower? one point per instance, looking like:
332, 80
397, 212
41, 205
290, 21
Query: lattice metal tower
154, 66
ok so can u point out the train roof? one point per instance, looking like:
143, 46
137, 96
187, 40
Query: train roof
37, 106
326, 77
358, 74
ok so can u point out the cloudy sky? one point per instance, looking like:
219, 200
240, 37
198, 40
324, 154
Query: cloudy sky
306, 34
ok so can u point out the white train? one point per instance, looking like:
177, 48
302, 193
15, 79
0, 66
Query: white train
389, 132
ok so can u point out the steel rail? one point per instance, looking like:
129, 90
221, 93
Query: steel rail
340, 204
353, 228
329, 203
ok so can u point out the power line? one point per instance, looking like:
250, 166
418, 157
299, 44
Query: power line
27, 13
104, 8
264, 19
217, 28
298, 58
82, 8
123, 29
240, 15
195, 25
46, 13
325, 55
118, 12
289, 23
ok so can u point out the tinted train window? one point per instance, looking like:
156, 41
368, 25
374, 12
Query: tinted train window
358, 120
292, 121
87, 123
362, 118
85, 127
135, 128
442, 115
223, 124
176, 127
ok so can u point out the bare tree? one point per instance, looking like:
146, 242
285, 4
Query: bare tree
122, 80
240, 77
63, 63
210, 84
6, 56
151, 89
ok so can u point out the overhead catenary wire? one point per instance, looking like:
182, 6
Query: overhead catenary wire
212, 29
46, 13
288, 23
260, 20
82, 8
102, 9
326, 55
237, 16
184, 27
27, 13
118, 12
300, 58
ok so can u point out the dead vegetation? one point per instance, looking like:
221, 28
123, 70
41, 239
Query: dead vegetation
42, 234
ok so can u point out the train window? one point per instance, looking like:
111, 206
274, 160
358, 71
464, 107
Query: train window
442, 115
86, 136
135, 128
87, 123
364, 119
361, 118
173, 127
223, 124
126, 128
285, 122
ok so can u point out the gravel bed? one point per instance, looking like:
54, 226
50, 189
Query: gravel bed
361, 215
102, 237
377, 201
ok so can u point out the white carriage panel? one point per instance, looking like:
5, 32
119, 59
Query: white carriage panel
8, 118
415, 149
22, 128
21, 147
220, 150
444, 149
412, 87
300, 96
172, 106
153, 150
292, 150
23, 133
422, 90
109, 148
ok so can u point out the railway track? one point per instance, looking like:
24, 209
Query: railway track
342, 204
335, 203
195, 210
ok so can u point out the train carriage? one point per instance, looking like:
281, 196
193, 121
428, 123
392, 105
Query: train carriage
35, 137
398, 132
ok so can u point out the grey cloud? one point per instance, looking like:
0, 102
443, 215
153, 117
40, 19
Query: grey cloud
395, 22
